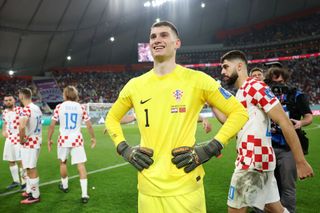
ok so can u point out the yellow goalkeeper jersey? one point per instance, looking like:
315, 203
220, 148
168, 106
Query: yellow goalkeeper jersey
167, 109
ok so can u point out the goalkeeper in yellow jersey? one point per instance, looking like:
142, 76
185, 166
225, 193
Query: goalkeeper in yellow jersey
167, 101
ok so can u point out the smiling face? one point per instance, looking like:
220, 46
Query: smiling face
163, 43
229, 71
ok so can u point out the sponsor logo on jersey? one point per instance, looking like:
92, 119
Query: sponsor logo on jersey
226, 94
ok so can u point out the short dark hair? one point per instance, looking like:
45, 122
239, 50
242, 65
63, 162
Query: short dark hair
276, 72
166, 24
8, 95
26, 92
256, 69
234, 54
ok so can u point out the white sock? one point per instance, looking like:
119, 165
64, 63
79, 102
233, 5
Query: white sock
84, 187
34, 186
22, 175
15, 173
64, 182
285, 210
28, 188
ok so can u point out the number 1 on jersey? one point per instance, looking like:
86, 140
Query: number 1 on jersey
147, 118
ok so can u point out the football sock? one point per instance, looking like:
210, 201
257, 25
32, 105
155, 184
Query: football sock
15, 173
84, 187
22, 175
34, 186
64, 182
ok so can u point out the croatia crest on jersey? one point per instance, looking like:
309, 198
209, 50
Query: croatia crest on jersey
178, 94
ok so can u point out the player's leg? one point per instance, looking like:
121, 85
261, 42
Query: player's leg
275, 208
63, 153
9, 155
22, 172
83, 182
23, 175
78, 156
29, 162
286, 178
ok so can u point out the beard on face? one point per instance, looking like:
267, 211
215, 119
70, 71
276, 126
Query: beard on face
232, 79
8, 106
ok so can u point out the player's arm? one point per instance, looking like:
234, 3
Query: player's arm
4, 129
22, 128
127, 119
91, 132
50, 133
278, 115
205, 124
139, 157
219, 115
237, 116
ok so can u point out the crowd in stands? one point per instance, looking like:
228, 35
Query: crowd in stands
10, 86
300, 28
100, 87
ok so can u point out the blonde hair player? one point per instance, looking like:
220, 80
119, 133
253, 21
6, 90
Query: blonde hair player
70, 115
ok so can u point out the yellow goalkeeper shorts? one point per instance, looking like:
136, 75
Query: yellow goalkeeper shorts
193, 202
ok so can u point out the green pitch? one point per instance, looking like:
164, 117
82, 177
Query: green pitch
112, 184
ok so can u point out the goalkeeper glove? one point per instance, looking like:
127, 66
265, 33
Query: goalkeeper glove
139, 157
191, 157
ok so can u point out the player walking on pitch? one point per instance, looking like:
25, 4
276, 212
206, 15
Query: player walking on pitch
253, 183
30, 130
70, 115
167, 101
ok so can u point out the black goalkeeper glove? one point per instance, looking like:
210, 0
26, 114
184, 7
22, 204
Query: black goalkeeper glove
191, 157
139, 157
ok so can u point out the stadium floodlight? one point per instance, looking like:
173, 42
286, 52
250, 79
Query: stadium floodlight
156, 3
157, 19
69, 58
112, 39
11, 72
203, 5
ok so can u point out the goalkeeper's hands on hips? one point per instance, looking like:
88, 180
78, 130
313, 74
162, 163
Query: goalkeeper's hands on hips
191, 157
139, 157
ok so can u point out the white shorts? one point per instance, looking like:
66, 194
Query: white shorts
29, 157
11, 152
78, 155
252, 189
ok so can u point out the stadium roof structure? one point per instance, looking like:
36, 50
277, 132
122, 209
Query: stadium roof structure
36, 35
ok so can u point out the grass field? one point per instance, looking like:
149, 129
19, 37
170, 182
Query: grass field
115, 187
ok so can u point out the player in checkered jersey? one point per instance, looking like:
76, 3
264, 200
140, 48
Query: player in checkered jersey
253, 183
70, 114
12, 147
30, 130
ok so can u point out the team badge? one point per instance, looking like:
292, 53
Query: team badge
178, 94
269, 93
225, 93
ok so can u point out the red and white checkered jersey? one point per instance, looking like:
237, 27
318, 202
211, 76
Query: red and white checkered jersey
254, 146
33, 127
11, 120
70, 114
